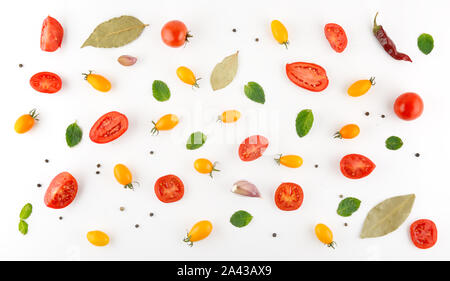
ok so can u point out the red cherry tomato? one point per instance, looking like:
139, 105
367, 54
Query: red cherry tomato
336, 36
289, 196
46, 82
423, 233
408, 106
51, 35
61, 191
309, 76
253, 147
175, 34
169, 189
109, 127
356, 166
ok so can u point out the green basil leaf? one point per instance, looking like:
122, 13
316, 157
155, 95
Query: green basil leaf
73, 135
255, 92
348, 206
425, 42
394, 143
23, 227
304, 122
26, 211
241, 218
160, 90
195, 140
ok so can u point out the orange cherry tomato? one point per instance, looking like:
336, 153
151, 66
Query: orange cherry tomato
230, 116
123, 176
97, 81
25, 122
165, 123
325, 235
98, 238
198, 232
291, 161
349, 131
204, 166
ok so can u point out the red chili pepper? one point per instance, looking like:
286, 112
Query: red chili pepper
386, 42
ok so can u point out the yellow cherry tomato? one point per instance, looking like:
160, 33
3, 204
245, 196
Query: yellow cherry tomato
187, 76
291, 161
348, 132
325, 235
165, 123
230, 116
123, 176
25, 122
98, 238
204, 166
198, 232
279, 32
360, 87
97, 81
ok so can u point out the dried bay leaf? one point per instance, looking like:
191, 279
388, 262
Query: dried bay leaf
115, 32
224, 72
387, 216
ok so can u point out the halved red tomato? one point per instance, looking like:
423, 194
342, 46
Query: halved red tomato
309, 76
61, 191
169, 189
289, 196
46, 82
356, 166
423, 233
253, 147
336, 36
109, 127
51, 35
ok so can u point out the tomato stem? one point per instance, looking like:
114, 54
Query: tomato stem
278, 159
33, 113
188, 240
214, 169
86, 74
332, 245
372, 81
337, 135
154, 130
286, 44
196, 84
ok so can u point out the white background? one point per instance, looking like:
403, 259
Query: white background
211, 22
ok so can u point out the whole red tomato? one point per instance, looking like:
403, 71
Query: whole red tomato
175, 34
408, 106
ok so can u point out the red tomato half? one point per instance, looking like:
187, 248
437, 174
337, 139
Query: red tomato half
46, 82
336, 36
253, 147
174, 33
51, 35
61, 191
169, 189
408, 106
109, 127
423, 233
356, 166
309, 76
289, 196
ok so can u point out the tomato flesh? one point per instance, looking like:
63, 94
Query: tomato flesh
356, 166
253, 147
289, 196
46, 82
51, 35
61, 191
309, 76
423, 233
336, 36
169, 189
408, 106
109, 127
174, 33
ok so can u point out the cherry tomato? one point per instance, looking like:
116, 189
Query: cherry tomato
169, 189
309, 76
46, 82
97, 81
423, 233
408, 106
325, 235
349, 131
167, 122
360, 87
175, 34
61, 191
279, 32
109, 127
253, 147
98, 238
123, 176
230, 116
291, 161
51, 35
336, 36
187, 76
289, 196
356, 166
198, 232
204, 166
25, 122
